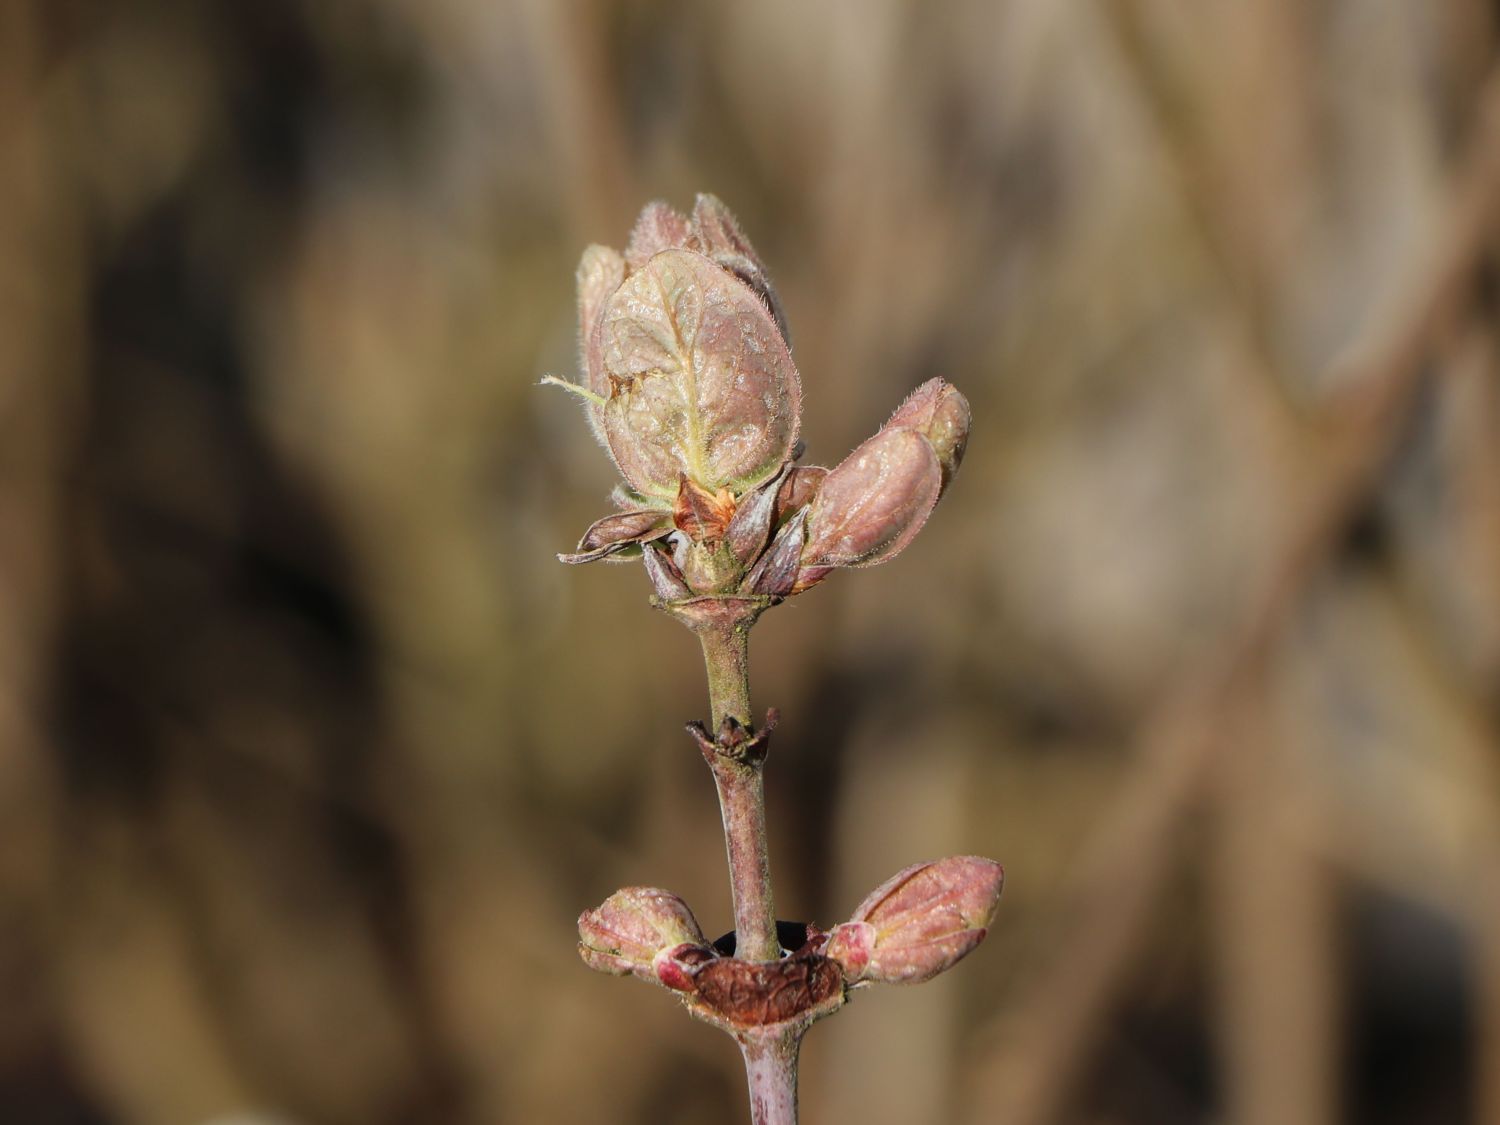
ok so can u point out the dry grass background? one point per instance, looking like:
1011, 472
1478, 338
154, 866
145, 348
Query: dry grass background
310, 752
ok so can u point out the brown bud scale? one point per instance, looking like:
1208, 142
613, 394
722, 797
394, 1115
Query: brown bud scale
755, 993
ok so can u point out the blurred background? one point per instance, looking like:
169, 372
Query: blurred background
311, 753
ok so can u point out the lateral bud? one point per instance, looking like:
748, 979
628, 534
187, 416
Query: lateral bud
633, 928
938, 412
919, 922
874, 502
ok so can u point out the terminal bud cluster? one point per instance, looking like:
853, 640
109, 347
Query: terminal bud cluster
690, 384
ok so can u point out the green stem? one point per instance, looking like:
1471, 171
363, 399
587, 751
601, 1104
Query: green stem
726, 658
742, 802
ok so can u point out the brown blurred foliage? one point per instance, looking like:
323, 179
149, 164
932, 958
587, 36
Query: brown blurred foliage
310, 752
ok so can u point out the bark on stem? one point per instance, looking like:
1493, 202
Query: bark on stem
771, 1070
726, 648
742, 804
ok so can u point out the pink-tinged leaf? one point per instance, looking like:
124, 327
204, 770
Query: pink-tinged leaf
625, 933
600, 273
658, 228
940, 414
874, 502
922, 921
776, 572
717, 231
719, 237
697, 379
614, 533
666, 579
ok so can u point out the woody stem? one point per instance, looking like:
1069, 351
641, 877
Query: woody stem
771, 1071
742, 803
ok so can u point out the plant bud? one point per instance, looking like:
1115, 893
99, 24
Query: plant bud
690, 384
874, 502
692, 377
920, 922
626, 932
940, 414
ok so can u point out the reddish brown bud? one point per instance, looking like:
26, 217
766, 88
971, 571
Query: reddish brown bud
940, 414
615, 533
874, 502
920, 922
630, 928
